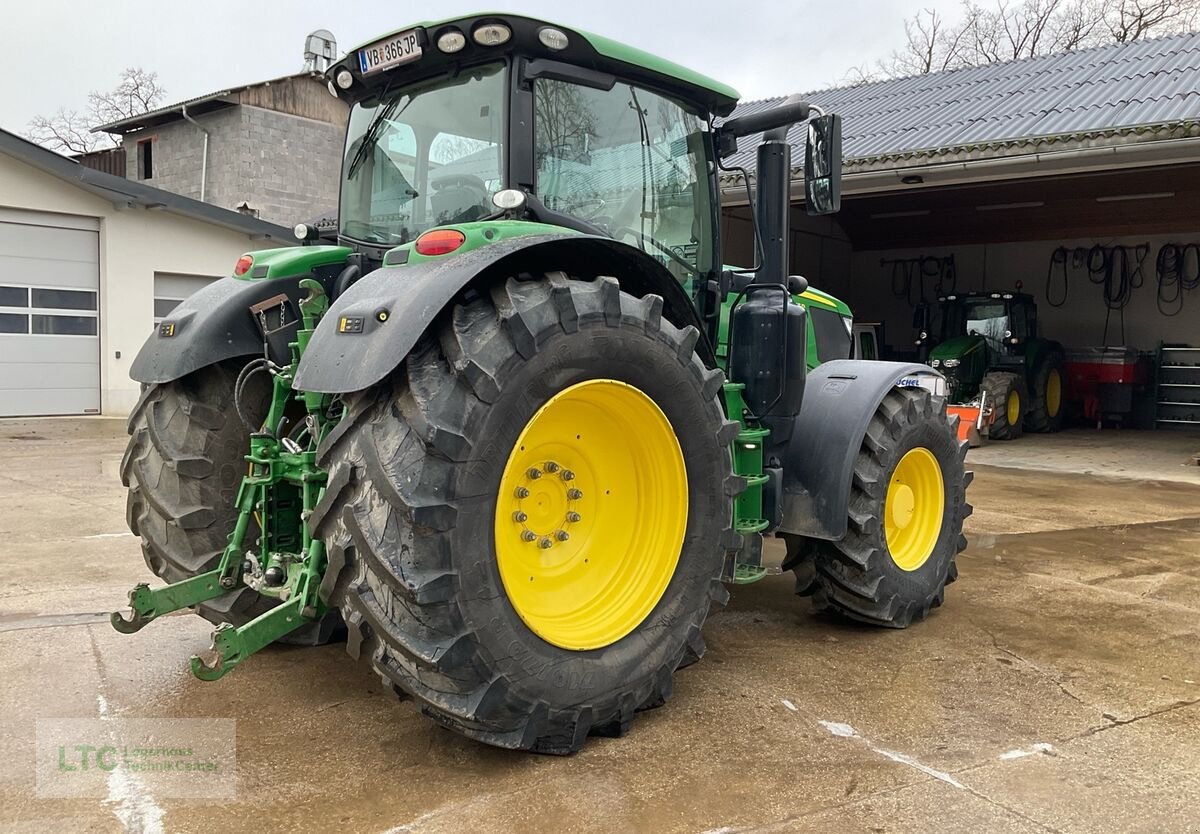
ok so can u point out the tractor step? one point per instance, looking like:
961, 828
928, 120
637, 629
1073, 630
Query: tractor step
749, 574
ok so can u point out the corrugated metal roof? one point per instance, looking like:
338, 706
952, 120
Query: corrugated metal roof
1103, 89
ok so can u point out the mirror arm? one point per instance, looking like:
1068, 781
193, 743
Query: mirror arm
773, 123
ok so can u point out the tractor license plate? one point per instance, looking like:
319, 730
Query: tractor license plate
396, 50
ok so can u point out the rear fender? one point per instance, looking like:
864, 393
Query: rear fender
215, 322
371, 328
840, 398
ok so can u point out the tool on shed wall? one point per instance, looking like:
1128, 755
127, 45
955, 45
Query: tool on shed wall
1118, 269
910, 273
1177, 269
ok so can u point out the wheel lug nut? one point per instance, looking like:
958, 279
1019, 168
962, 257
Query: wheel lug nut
574, 494
545, 544
562, 535
520, 517
573, 517
551, 467
528, 535
522, 492
568, 475
534, 473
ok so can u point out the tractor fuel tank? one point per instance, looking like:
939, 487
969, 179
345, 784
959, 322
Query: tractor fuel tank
767, 344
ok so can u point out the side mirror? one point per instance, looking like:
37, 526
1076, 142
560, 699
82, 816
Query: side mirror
823, 165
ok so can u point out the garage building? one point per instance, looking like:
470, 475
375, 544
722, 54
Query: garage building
1066, 175
88, 262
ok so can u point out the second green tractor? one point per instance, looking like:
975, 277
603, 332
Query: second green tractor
989, 347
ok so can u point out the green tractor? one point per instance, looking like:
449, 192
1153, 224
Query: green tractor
988, 348
515, 432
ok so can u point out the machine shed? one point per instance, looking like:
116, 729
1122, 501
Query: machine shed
1074, 178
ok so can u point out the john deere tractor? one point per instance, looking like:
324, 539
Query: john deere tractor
516, 431
988, 346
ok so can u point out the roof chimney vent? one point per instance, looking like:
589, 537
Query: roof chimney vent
320, 51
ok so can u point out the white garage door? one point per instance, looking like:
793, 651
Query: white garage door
171, 289
49, 319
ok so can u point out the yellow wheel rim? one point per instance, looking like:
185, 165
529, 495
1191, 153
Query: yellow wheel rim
1053, 392
1014, 408
913, 509
591, 514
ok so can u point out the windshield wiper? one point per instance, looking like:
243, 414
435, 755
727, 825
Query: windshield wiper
374, 129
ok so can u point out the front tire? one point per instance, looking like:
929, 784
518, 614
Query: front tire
907, 507
421, 519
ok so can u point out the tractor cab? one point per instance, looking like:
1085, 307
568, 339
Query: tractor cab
536, 128
1002, 323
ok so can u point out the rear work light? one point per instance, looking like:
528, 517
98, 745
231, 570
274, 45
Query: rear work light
439, 242
243, 265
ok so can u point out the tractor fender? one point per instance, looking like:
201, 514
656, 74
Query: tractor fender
213, 324
840, 398
373, 325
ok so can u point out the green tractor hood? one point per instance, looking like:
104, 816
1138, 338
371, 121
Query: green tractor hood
957, 347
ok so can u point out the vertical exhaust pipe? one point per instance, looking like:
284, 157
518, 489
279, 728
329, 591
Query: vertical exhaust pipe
774, 205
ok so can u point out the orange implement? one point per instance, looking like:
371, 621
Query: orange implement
970, 425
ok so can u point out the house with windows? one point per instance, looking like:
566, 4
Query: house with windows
272, 149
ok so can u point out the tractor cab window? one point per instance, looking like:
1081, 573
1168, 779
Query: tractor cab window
1020, 321
630, 163
423, 157
988, 319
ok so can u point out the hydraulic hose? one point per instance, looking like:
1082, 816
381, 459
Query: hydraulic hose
1177, 269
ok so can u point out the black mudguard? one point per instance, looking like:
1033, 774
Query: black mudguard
213, 324
840, 397
371, 328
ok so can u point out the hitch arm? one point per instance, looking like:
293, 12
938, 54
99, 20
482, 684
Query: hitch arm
146, 605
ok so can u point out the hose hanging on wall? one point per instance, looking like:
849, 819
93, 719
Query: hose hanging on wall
1177, 269
910, 272
1060, 258
1110, 267
1118, 269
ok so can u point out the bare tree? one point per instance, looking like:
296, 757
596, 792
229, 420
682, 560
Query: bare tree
1131, 20
1010, 29
931, 46
138, 92
69, 131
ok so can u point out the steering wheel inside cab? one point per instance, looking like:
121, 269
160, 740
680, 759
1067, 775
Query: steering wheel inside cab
459, 198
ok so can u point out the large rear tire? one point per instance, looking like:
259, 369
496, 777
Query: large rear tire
183, 465
433, 520
1048, 407
1008, 398
907, 507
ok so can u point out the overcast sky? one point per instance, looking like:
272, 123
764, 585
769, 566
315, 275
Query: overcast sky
56, 51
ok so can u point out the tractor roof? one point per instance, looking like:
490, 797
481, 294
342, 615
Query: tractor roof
1007, 295
583, 49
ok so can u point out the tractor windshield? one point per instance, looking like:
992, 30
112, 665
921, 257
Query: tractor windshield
984, 318
422, 157
631, 163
